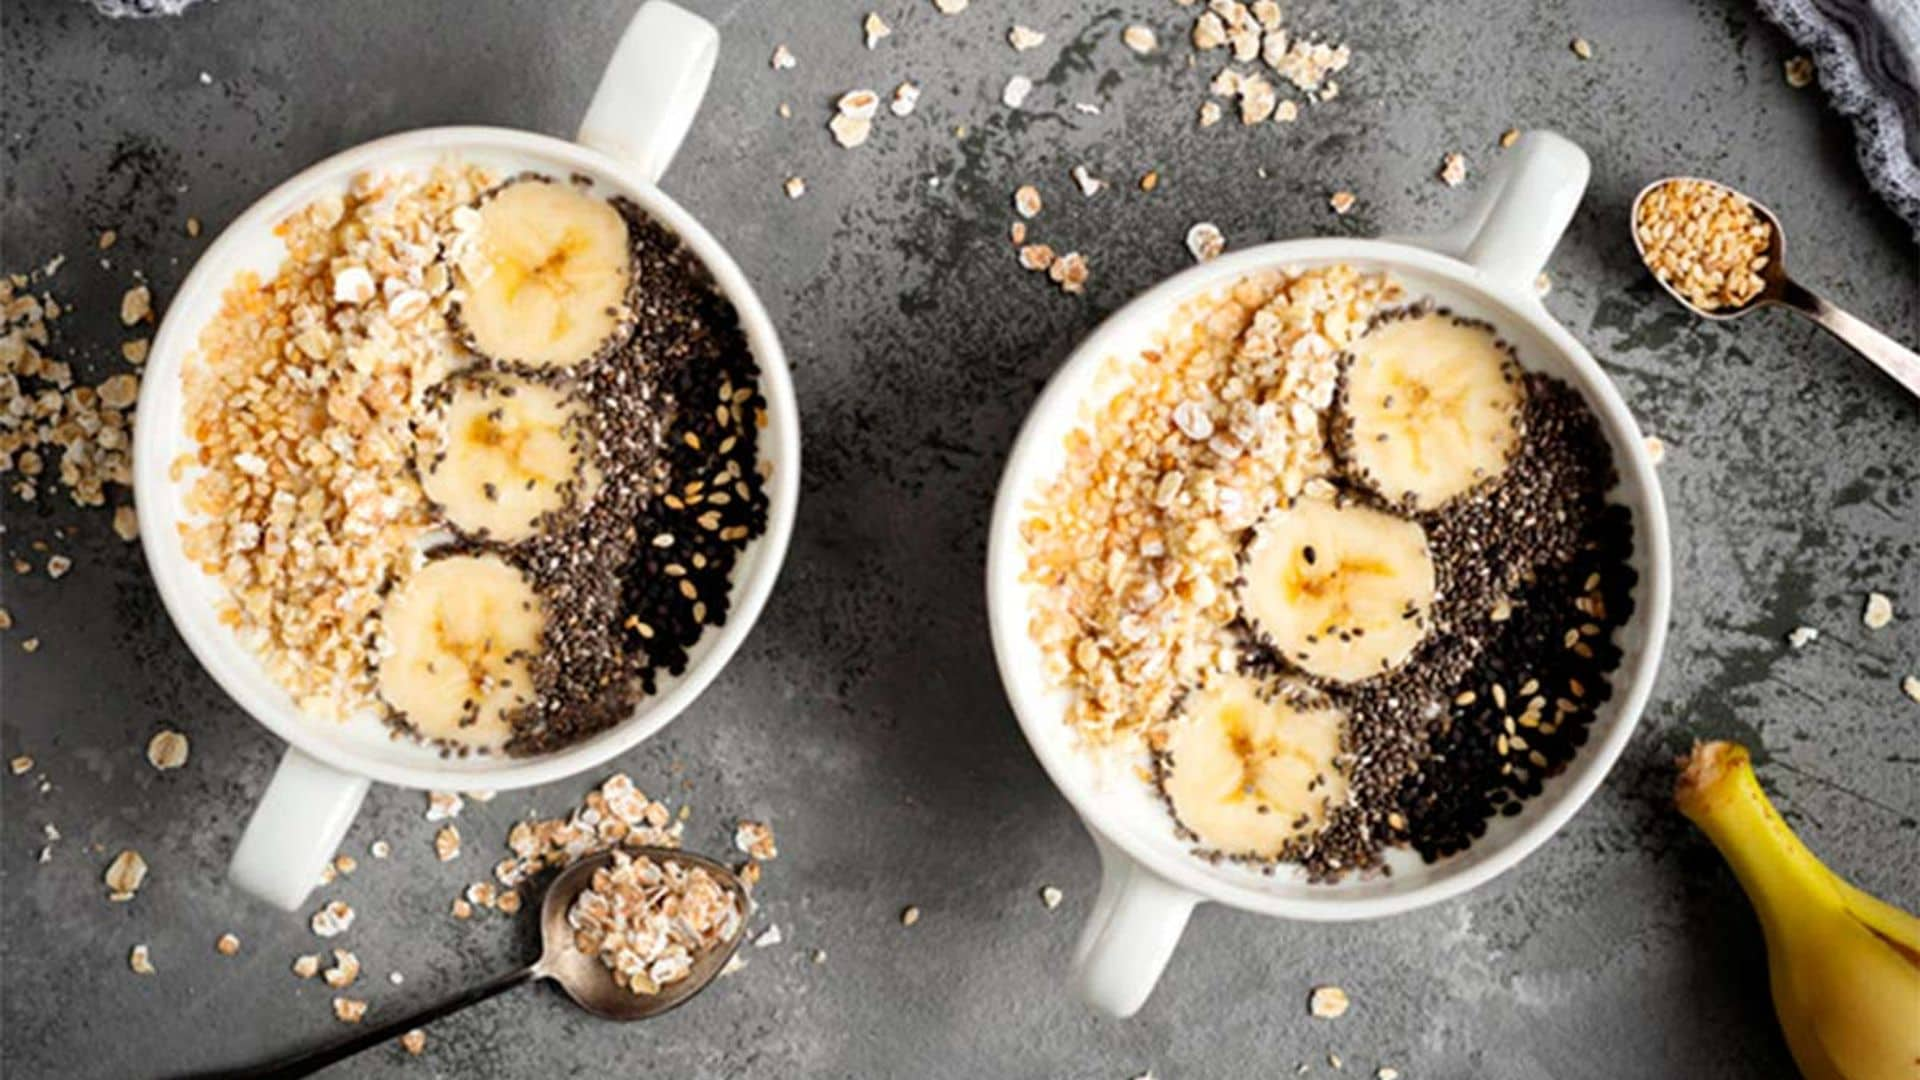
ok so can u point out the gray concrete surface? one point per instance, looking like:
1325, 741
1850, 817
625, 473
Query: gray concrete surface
864, 717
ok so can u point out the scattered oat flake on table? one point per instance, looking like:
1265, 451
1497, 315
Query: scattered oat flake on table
462, 909
1036, 256
446, 843
30, 645
1205, 241
1453, 169
1023, 38
1014, 94
1090, 185
193, 226
1140, 39
125, 875
306, 966
332, 919
910, 915
1386, 1072
444, 805
167, 750
1879, 611
1542, 283
756, 839
782, 58
21, 764
875, 28
349, 1010
140, 961
135, 305
1328, 1002
380, 849
950, 7
344, 863
126, 523
1798, 71
227, 945
1051, 896
1656, 449
769, 937
795, 187
1209, 113
734, 963
1150, 180
1026, 201
905, 97
1285, 113
57, 566
1910, 686
1342, 201
1070, 272
414, 1042
1803, 636
345, 969
1509, 137
6, 619
1582, 48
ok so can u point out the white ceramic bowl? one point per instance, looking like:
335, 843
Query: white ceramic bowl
1485, 268
643, 109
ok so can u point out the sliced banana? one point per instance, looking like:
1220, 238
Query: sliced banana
1430, 408
1342, 592
502, 453
461, 634
544, 269
1248, 768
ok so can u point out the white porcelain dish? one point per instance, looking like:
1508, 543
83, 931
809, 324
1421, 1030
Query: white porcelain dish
645, 104
1485, 268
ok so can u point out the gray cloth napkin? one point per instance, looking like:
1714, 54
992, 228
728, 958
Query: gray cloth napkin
1867, 53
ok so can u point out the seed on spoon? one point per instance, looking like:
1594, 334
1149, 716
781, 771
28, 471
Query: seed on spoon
1705, 241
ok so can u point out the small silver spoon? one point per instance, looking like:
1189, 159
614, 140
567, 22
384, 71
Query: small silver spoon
583, 977
1777, 288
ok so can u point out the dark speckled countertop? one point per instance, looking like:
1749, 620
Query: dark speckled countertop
864, 717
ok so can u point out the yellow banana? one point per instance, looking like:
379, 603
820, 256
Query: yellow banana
1845, 967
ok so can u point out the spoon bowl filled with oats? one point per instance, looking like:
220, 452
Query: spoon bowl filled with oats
468, 456
1722, 254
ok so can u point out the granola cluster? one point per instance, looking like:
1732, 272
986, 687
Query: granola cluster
44, 415
1705, 241
1134, 545
648, 921
301, 491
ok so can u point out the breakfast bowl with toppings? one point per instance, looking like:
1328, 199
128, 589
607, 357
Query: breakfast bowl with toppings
470, 456
1328, 578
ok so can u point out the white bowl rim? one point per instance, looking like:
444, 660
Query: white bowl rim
211, 275
1007, 616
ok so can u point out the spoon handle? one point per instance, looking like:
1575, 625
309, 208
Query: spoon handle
1887, 354
309, 1062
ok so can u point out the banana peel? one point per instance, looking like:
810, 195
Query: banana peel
1844, 966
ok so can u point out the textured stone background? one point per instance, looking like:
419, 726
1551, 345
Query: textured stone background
864, 717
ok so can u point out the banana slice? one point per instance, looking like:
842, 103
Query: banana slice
461, 634
1430, 408
1248, 768
1342, 592
503, 453
545, 270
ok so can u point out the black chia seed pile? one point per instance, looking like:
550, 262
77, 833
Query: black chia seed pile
1532, 579
632, 584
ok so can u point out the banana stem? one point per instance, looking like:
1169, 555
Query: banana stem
1718, 792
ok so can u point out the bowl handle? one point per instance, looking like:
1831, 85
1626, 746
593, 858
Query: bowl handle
652, 88
1131, 934
1521, 213
295, 830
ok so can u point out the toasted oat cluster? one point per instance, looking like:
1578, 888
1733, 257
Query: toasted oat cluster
1135, 544
45, 416
649, 921
1705, 241
302, 492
